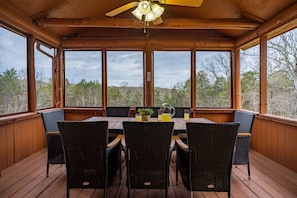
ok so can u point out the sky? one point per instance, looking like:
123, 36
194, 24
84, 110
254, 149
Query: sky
123, 67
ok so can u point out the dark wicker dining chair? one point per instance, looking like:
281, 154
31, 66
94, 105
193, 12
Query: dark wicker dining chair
90, 163
179, 111
205, 164
114, 111
241, 156
147, 147
55, 153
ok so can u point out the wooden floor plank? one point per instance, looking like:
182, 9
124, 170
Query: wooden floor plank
28, 179
278, 174
249, 183
238, 189
15, 181
273, 174
28, 183
55, 172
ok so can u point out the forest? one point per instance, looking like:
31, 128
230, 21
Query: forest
213, 85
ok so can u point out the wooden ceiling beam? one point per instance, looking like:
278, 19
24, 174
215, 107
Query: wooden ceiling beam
10, 16
168, 23
288, 16
223, 44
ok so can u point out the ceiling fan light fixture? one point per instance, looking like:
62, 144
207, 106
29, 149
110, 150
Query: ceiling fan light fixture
144, 7
150, 16
157, 10
150, 11
137, 14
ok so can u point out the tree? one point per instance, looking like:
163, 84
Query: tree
10, 91
282, 75
213, 81
250, 90
284, 54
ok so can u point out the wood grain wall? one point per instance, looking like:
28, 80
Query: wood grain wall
276, 139
19, 138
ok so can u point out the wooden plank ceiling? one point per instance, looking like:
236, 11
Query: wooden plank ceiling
224, 18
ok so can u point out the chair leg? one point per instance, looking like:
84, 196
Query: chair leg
67, 192
128, 192
47, 168
121, 149
249, 171
176, 173
104, 193
176, 168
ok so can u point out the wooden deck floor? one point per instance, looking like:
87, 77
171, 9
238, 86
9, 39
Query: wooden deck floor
27, 179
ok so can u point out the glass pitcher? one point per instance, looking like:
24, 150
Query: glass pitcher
168, 112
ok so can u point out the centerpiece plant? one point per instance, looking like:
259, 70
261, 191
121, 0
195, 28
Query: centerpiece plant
145, 113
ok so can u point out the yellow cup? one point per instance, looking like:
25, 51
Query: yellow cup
160, 112
166, 117
186, 114
137, 117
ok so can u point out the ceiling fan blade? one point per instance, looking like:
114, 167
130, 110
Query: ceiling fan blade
189, 3
158, 21
121, 9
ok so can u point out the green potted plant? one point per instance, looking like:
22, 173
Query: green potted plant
145, 113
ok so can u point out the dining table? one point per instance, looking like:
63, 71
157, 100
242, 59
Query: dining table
115, 126
116, 123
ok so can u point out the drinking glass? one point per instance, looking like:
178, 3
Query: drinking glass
137, 117
160, 112
186, 114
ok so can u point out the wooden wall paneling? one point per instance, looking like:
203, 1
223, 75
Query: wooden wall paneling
258, 141
255, 134
282, 152
10, 148
276, 140
19, 139
290, 146
72, 114
3, 149
40, 133
37, 135
268, 139
31, 138
214, 117
21, 133
28, 137
266, 136
273, 144
293, 139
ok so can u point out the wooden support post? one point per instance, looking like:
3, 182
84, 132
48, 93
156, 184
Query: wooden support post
31, 74
236, 79
263, 75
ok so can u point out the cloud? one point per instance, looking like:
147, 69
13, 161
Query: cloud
123, 67
13, 51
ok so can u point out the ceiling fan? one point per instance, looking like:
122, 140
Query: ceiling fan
148, 10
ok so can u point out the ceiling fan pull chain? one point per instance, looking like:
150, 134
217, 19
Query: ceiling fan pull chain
144, 27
